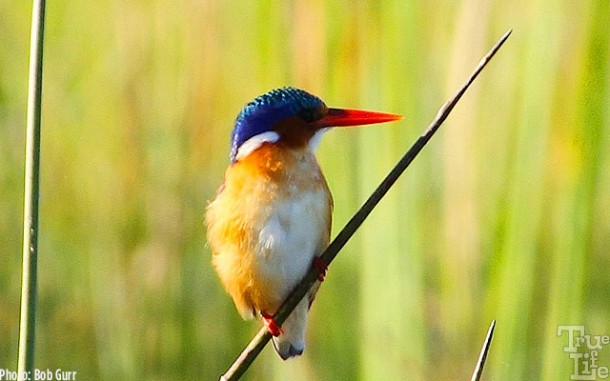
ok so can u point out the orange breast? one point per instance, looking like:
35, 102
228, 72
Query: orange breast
272, 215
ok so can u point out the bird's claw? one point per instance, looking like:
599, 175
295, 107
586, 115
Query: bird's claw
321, 266
272, 326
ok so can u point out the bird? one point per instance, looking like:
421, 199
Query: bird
271, 218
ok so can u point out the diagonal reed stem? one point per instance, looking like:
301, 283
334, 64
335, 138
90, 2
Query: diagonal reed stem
249, 354
27, 322
478, 369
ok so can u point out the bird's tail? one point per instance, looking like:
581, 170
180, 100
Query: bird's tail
291, 342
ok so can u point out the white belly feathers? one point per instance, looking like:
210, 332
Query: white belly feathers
295, 231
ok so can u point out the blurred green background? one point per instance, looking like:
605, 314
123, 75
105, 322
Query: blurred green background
505, 215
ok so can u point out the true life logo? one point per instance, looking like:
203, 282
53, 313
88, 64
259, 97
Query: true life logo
584, 352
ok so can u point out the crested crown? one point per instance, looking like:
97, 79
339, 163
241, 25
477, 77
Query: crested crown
259, 115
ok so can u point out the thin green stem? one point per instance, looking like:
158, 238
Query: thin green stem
478, 370
25, 362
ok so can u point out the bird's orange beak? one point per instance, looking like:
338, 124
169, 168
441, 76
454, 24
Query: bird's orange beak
338, 117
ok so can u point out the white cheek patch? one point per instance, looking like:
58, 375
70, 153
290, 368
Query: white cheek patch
315, 140
254, 142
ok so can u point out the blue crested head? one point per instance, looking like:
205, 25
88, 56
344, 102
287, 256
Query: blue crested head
261, 114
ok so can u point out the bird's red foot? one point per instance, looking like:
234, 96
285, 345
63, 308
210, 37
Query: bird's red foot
321, 266
272, 326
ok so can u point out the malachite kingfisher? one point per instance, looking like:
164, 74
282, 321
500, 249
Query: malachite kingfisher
271, 218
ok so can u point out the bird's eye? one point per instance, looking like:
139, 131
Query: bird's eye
309, 115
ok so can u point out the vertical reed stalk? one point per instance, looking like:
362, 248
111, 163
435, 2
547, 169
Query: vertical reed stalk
25, 365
